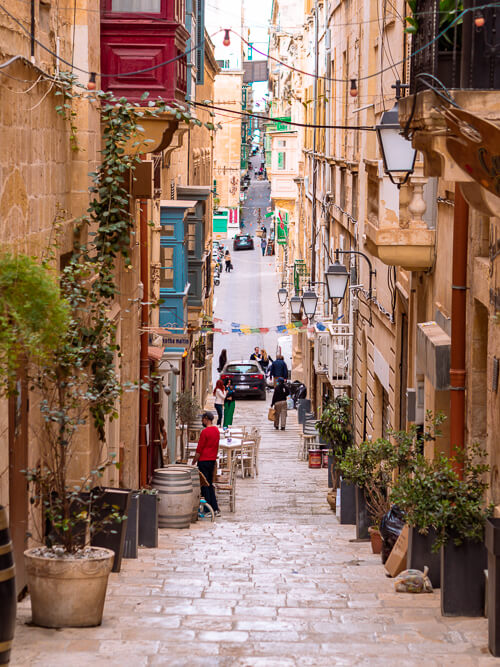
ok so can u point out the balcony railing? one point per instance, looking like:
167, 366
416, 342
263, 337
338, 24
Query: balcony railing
465, 56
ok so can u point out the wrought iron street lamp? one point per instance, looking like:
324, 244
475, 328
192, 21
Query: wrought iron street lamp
296, 305
282, 295
309, 303
371, 271
397, 152
336, 277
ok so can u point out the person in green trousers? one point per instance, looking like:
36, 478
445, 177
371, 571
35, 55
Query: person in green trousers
229, 404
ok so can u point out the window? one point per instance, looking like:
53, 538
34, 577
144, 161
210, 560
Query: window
242, 368
191, 239
354, 196
342, 188
167, 230
372, 197
136, 6
166, 267
281, 160
281, 143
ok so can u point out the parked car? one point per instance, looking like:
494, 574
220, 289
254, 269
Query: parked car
247, 378
243, 242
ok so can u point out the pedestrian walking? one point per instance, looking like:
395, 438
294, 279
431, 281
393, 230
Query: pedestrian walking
265, 361
278, 369
256, 355
227, 260
229, 404
206, 458
222, 360
263, 245
278, 402
220, 397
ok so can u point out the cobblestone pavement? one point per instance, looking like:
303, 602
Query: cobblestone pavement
277, 583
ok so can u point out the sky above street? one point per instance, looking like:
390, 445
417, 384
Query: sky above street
257, 14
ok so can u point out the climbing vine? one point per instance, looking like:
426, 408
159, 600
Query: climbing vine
80, 381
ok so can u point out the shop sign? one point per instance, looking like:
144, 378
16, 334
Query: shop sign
175, 340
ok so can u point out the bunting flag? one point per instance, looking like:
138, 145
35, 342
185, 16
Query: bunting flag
269, 215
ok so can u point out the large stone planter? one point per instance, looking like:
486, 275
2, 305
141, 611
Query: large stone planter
68, 592
462, 578
347, 503
420, 555
363, 520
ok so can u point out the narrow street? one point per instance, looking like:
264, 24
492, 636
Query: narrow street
248, 295
280, 582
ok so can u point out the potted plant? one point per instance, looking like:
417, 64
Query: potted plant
370, 466
75, 384
334, 428
446, 512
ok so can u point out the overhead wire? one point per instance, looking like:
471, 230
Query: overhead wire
280, 120
385, 69
267, 55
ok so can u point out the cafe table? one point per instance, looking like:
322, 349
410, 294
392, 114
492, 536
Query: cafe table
230, 447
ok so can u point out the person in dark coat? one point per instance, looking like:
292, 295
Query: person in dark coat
278, 369
279, 404
222, 361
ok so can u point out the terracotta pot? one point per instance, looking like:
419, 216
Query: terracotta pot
376, 540
69, 592
332, 500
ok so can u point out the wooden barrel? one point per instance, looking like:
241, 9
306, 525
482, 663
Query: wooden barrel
315, 456
195, 478
175, 489
8, 596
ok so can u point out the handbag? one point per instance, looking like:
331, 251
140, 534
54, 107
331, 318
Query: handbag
289, 403
271, 414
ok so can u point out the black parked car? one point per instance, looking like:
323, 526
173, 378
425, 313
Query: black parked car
247, 378
243, 242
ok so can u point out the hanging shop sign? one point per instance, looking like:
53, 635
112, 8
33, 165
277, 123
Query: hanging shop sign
175, 340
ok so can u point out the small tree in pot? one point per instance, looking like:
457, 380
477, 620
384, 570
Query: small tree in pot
335, 429
371, 466
449, 507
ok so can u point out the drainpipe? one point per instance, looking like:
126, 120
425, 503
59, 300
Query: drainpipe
458, 323
144, 337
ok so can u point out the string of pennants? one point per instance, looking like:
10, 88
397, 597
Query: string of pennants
222, 327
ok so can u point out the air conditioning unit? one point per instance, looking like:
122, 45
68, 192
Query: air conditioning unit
321, 349
415, 404
338, 362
